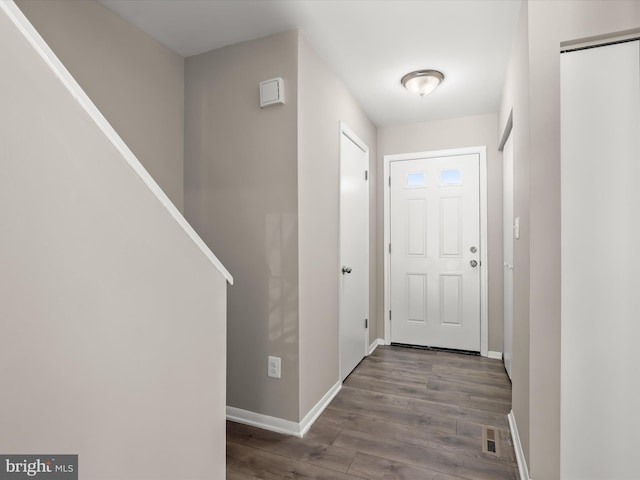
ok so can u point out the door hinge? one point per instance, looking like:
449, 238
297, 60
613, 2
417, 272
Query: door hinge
366, 323
389, 247
389, 315
389, 181
366, 175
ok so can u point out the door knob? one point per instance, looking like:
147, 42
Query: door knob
473, 263
346, 270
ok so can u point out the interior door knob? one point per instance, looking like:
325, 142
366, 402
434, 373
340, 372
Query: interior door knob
473, 263
346, 270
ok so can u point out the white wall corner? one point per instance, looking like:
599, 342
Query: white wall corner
280, 425
517, 446
374, 345
494, 355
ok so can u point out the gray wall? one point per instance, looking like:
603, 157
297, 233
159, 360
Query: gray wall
448, 134
537, 164
262, 188
112, 319
241, 192
137, 83
323, 102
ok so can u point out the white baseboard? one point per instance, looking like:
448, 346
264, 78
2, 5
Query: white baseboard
374, 345
494, 355
517, 446
265, 422
319, 407
280, 425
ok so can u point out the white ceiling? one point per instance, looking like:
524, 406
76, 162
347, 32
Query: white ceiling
369, 44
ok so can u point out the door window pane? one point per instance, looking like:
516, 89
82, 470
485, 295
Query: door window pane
450, 177
415, 179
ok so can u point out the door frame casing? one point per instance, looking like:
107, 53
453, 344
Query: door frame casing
481, 151
347, 132
508, 135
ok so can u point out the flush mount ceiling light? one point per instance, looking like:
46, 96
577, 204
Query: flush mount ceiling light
422, 82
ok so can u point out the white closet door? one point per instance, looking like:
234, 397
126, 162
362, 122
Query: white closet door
600, 95
354, 251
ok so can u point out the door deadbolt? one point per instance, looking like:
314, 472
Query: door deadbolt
473, 263
473, 249
346, 270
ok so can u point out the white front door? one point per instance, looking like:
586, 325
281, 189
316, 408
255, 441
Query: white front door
354, 251
508, 232
435, 252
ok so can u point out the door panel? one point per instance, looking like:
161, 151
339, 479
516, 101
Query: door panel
417, 236
354, 254
450, 235
435, 222
451, 300
417, 297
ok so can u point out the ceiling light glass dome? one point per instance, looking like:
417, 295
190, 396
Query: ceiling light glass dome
422, 82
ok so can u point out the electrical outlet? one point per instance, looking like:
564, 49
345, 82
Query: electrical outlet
274, 367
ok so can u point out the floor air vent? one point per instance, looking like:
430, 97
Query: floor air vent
490, 441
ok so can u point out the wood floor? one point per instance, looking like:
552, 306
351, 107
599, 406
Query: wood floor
402, 414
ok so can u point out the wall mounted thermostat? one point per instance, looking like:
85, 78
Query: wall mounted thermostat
271, 92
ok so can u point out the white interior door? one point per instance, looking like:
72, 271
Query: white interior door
354, 251
435, 252
508, 232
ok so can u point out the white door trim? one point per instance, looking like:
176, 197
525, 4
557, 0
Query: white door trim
507, 272
347, 132
484, 297
353, 137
